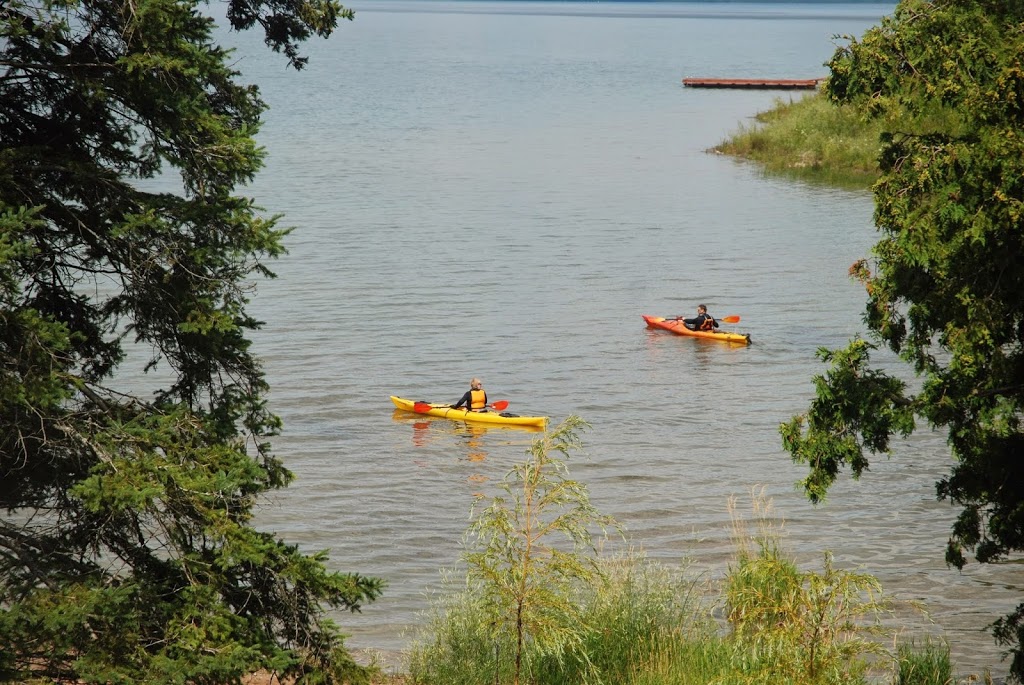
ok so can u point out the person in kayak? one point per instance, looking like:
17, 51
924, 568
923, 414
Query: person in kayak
702, 322
475, 398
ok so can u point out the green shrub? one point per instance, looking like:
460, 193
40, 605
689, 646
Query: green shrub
793, 626
638, 608
538, 602
812, 139
637, 616
928, 664
637, 622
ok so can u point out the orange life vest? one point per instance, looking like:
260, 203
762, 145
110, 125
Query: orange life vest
477, 399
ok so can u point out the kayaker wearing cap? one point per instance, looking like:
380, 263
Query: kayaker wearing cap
702, 322
475, 398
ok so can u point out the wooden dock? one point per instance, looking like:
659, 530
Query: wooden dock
766, 83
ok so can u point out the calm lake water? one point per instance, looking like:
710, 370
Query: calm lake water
501, 190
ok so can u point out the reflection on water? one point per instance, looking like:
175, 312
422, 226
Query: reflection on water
462, 440
426, 429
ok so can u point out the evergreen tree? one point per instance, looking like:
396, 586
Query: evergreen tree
127, 551
945, 285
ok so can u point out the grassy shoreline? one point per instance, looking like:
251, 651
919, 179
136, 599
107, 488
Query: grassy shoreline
811, 139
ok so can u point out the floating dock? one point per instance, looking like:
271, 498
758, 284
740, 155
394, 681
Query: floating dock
766, 83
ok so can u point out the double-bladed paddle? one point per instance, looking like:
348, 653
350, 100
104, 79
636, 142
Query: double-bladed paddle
423, 407
724, 319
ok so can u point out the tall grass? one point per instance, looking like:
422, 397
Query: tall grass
927, 664
643, 623
640, 608
799, 626
647, 624
812, 139
637, 609
456, 646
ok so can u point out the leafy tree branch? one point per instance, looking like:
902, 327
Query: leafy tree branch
944, 282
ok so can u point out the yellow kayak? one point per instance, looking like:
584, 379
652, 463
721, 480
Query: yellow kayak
445, 411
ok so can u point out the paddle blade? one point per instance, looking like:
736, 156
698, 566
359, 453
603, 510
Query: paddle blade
730, 319
500, 405
421, 407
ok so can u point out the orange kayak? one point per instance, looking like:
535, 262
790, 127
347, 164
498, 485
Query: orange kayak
677, 327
